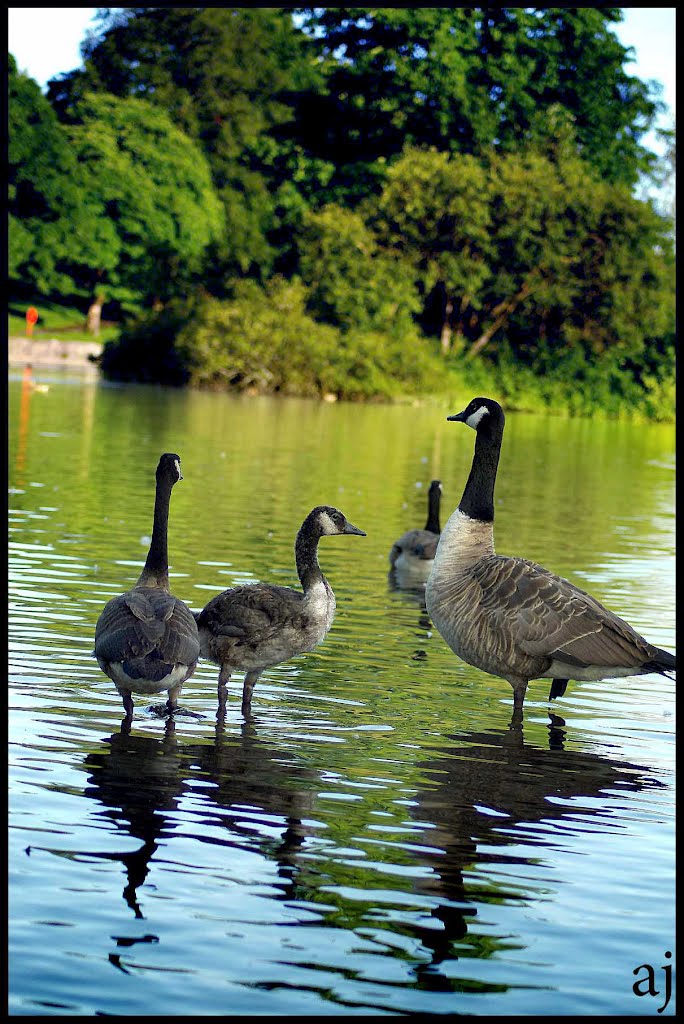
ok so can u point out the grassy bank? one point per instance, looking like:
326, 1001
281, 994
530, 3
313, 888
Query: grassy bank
270, 345
66, 323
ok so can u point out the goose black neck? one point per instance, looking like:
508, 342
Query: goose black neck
433, 511
478, 497
156, 568
306, 555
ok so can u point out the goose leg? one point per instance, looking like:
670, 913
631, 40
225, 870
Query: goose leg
250, 680
519, 688
174, 694
516, 722
223, 680
127, 702
557, 688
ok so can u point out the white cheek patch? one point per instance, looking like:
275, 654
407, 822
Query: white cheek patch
327, 525
178, 469
475, 417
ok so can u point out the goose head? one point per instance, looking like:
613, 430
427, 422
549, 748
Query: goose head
169, 469
330, 522
481, 413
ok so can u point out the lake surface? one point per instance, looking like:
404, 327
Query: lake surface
377, 839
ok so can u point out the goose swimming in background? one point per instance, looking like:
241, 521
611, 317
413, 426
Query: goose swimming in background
411, 556
254, 626
146, 640
509, 616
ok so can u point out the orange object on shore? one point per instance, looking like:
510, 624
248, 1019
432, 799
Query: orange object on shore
31, 319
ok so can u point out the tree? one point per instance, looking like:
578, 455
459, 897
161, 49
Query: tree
353, 283
229, 78
466, 79
532, 251
435, 210
150, 186
48, 222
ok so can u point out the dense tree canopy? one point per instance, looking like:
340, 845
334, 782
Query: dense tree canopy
418, 191
150, 185
49, 224
228, 77
464, 79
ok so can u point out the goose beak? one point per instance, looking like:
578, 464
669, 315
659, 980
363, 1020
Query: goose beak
353, 529
458, 417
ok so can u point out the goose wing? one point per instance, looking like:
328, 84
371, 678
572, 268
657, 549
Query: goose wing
144, 621
252, 614
547, 616
417, 543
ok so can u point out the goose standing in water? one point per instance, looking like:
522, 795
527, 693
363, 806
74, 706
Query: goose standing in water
146, 640
411, 556
509, 616
252, 627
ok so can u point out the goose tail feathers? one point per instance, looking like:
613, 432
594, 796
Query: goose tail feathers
664, 662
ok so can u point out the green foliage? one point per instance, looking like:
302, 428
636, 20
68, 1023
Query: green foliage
145, 350
574, 385
264, 341
435, 208
156, 209
464, 79
229, 78
48, 222
335, 190
352, 282
534, 248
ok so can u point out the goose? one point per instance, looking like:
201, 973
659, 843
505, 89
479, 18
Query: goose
509, 616
146, 640
254, 626
412, 555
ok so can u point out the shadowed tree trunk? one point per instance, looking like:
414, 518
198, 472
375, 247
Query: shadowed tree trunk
94, 315
447, 331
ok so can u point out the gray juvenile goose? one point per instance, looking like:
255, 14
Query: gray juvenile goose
257, 625
509, 616
413, 553
146, 640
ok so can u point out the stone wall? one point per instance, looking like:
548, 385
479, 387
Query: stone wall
52, 352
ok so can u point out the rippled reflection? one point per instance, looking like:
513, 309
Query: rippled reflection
140, 780
382, 837
482, 788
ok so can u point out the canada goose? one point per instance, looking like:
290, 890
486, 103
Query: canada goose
510, 616
412, 555
257, 625
146, 639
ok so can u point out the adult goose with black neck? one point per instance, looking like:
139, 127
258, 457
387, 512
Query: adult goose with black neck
146, 640
412, 555
252, 627
509, 616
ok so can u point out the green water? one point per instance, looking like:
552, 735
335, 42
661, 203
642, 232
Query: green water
377, 840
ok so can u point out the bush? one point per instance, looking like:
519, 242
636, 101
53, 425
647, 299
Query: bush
146, 350
576, 384
264, 341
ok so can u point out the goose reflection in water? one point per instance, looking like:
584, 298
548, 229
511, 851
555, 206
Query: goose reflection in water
482, 787
140, 781
479, 787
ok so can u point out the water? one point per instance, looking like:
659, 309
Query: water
377, 840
